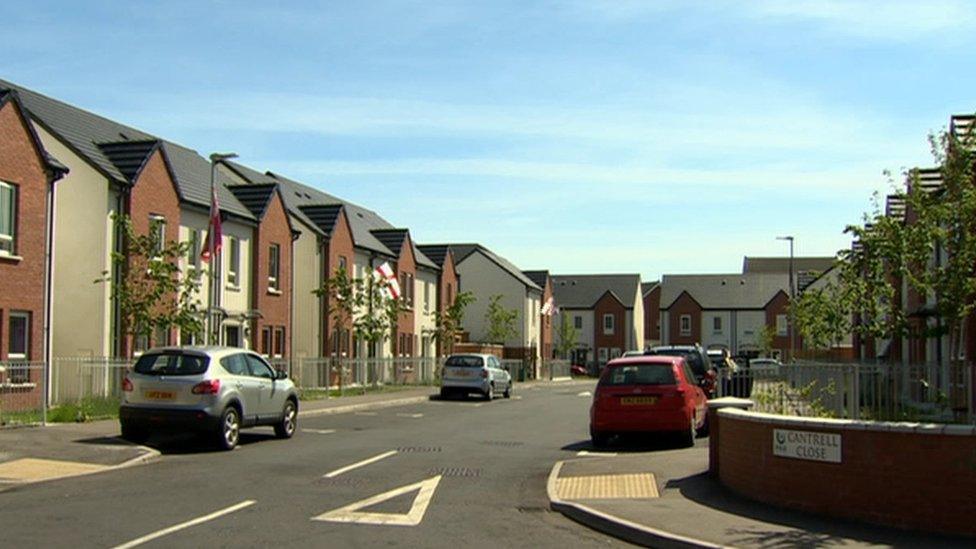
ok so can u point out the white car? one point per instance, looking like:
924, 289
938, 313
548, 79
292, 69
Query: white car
474, 373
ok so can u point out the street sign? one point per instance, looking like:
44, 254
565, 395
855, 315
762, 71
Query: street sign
807, 445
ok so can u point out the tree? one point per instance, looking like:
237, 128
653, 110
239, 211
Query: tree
822, 316
764, 339
152, 292
340, 290
448, 324
568, 336
501, 321
374, 315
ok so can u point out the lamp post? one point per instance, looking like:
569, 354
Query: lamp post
792, 295
212, 301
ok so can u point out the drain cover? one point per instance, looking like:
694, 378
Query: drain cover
465, 472
418, 449
504, 443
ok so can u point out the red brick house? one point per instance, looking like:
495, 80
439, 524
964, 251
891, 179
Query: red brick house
448, 280
398, 241
272, 265
27, 184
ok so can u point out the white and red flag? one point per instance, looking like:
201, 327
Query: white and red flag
549, 308
387, 280
214, 232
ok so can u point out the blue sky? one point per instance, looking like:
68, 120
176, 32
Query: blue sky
651, 137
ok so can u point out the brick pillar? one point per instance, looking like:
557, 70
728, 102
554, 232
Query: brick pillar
714, 428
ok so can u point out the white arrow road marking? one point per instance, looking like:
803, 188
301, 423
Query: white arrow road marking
359, 464
415, 416
584, 453
187, 524
351, 512
585, 394
319, 431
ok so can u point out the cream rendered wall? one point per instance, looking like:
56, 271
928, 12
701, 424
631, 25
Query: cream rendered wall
748, 325
637, 321
191, 219
709, 335
484, 278
81, 310
531, 328
585, 334
424, 312
306, 327
363, 267
237, 300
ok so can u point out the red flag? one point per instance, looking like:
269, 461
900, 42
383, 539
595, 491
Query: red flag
214, 233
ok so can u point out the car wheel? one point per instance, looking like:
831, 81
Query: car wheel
508, 390
229, 429
599, 439
134, 434
289, 421
445, 394
490, 393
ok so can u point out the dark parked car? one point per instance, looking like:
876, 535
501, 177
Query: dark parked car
697, 360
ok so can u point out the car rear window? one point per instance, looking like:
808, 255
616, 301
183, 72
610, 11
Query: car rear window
465, 361
171, 364
640, 374
693, 358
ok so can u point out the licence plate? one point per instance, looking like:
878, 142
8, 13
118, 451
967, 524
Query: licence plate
460, 373
160, 395
634, 401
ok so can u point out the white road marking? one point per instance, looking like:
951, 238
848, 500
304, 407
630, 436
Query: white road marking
583, 453
366, 413
359, 464
585, 394
351, 512
415, 416
319, 431
187, 524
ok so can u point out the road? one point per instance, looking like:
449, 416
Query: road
482, 469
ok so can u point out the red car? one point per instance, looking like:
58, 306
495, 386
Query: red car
647, 393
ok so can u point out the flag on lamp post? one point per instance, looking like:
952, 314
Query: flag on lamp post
549, 308
387, 280
214, 233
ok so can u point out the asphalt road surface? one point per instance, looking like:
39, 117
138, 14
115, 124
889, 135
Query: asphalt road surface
472, 474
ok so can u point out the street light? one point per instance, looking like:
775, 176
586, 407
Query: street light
211, 245
792, 295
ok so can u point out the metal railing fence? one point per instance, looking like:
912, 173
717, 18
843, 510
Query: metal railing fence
22, 392
883, 392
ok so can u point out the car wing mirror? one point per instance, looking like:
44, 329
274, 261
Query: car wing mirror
281, 374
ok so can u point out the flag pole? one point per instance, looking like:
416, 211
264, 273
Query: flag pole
210, 337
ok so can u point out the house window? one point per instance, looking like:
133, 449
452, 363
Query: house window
234, 263
608, 324
194, 259
602, 353
717, 324
406, 289
781, 325
274, 256
187, 338
161, 336
279, 343
266, 341
18, 340
157, 226
685, 325
426, 297
578, 322
232, 336
140, 344
8, 219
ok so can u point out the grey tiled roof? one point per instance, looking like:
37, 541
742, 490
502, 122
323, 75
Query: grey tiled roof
648, 286
583, 291
539, 277
782, 264
391, 238
104, 143
929, 179
437, 253
895, 206
323, 217
254, 197
462, 251
128, 156
725, 291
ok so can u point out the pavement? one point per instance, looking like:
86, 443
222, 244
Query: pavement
665, 498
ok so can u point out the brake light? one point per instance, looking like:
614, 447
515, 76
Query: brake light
484, 373
209, 387
126, 384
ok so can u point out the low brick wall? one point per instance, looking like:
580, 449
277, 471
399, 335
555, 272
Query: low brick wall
907, 475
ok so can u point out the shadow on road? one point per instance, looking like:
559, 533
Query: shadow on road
804, 530
187, 443
631, 444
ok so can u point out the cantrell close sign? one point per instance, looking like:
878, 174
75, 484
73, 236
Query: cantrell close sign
807, 445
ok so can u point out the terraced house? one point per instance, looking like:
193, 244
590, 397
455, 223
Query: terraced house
116, 169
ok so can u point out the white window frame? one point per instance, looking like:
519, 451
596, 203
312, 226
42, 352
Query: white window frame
8, 242
274, 267
578, 322
782, 325
160, 227
684, 325
233, 262
26, 317
609, 328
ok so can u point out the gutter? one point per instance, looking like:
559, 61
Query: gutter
49, 207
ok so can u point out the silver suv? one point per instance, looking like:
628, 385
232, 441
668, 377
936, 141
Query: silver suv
211, 390
472, 373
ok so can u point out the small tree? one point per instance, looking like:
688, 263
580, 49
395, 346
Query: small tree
151, 291
822, 316
448, 324
568, 336
764, 340
340, 290
501, 321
